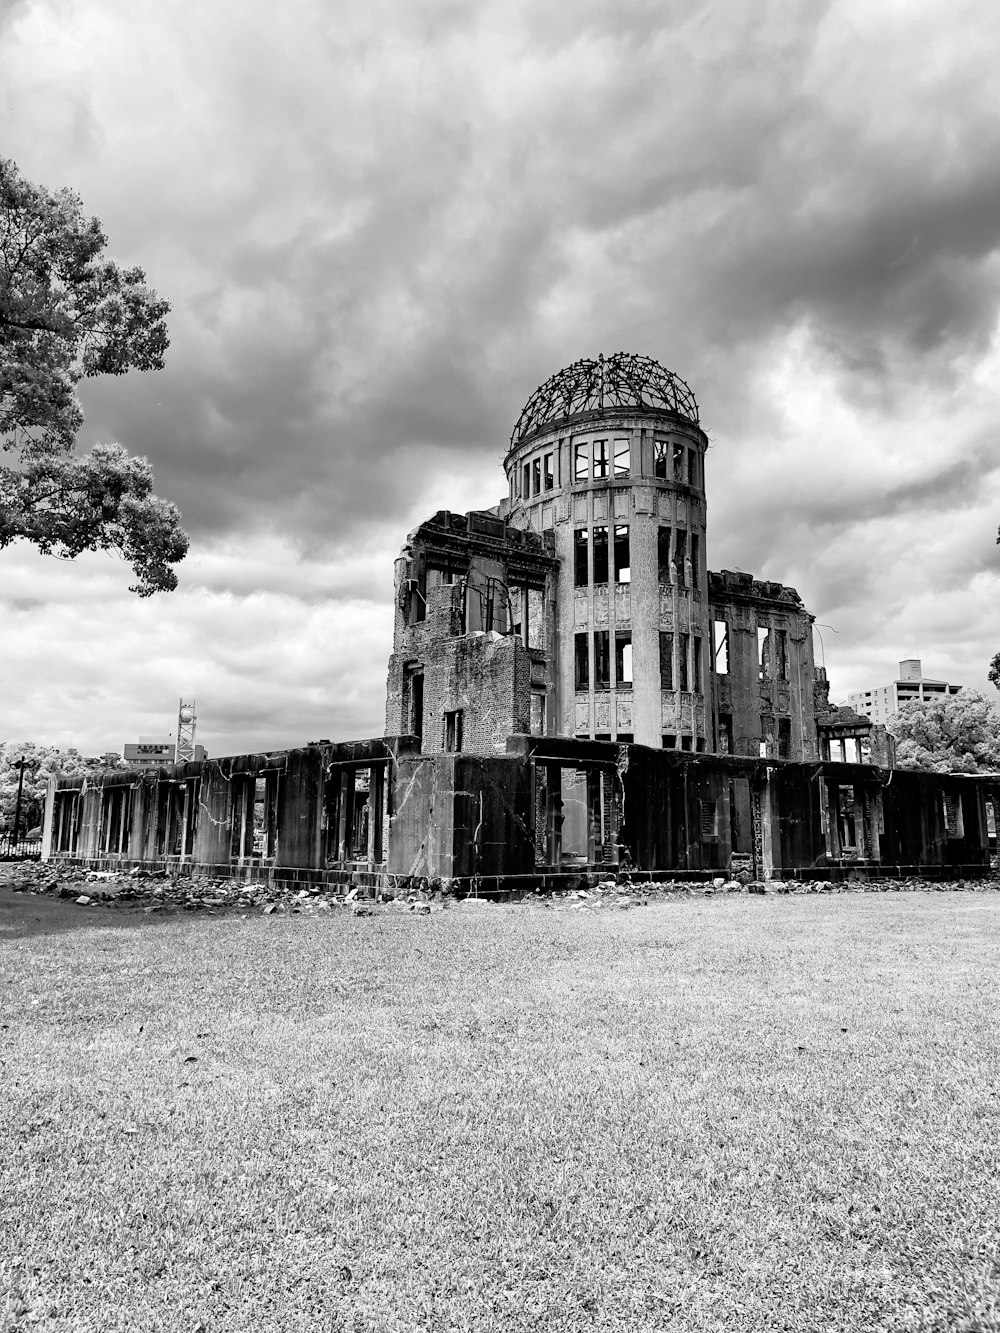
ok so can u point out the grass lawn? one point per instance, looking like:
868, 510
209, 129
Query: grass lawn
739, 1113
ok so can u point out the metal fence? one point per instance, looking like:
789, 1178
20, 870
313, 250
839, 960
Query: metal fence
19, 849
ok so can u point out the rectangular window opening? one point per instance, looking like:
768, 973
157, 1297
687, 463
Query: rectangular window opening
600, 459
781, 649
453, 731
622, 459
682, 661
725, 733
721, 634
784, 738
764, 652
581, 461
663, 555
623, 563
623, 658
549, 477
709, 820
600, 555
602, 660
666, 660
661, 452
582, 659
536, 476
581, 567
680, 553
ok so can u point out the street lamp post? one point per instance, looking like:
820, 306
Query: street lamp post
21, 763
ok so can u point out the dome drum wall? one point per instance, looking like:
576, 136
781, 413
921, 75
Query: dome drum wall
623, 493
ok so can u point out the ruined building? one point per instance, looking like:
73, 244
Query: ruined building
582, 605
571, 692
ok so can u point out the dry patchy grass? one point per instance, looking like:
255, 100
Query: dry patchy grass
728, 1114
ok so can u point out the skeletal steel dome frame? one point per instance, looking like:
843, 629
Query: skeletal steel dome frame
619, 381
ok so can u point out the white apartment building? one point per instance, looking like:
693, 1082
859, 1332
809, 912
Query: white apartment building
882, 702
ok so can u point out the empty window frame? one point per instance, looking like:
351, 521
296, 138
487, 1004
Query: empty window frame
725, 733
548, 474
686, 743
623, 560
709, 819
720, 631
582, 660
684, 681
677, 462
781, 654
600, 544
600, 460
664, 572
413, 702
669, 741
696, 663
622, 458
581, 558
661, 456
116, 819
602, 660
581, 461
680, 552
954, 823
695, 559
784, 738
453, 731
536, 476
847, 821
623, 657
692, 467
537, 718
666, 660
66, 821
763, 652
526, 481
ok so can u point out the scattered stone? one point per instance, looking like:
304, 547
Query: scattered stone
82, 901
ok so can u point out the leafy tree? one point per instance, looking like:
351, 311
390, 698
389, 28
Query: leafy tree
66, 314
994, 671
42, 762
958, 733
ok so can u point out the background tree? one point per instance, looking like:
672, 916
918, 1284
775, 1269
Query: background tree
958, 733
42, 762
68, 313
994, 671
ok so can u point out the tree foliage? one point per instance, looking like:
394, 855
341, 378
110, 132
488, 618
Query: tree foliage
958, 733
994, 671
67, 313
42, 762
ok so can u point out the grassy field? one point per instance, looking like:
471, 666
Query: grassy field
740, 1113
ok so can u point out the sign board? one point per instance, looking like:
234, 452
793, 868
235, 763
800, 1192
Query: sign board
150, 752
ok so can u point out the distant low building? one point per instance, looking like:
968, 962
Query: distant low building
151, 751
882, 702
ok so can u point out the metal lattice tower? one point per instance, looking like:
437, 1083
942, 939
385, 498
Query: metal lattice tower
187, 722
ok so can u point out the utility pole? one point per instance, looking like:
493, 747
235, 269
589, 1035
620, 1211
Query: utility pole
20, 787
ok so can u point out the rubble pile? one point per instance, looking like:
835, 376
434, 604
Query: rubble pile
156, 891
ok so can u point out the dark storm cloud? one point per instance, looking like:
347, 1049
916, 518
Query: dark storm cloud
382, 226
398, 245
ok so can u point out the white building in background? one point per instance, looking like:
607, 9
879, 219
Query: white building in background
882, 702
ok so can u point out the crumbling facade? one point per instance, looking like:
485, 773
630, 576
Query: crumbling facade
627, 635
571, 693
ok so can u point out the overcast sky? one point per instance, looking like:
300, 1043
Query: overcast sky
382, 224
